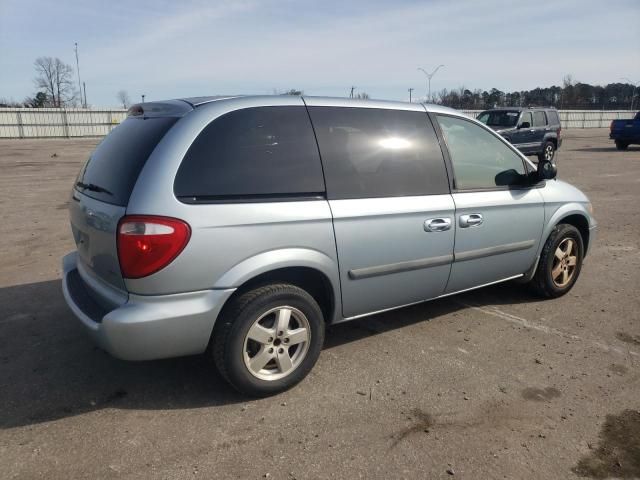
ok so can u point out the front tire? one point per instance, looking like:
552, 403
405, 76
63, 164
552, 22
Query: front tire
268, 339
548, 152
621, 145
560, 262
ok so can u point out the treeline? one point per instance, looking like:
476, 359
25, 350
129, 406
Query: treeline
570, 96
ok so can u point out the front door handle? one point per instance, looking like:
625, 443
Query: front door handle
437, 224
471, 220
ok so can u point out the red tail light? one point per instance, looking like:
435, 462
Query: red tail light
148, 243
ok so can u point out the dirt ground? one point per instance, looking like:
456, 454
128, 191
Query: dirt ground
490, 384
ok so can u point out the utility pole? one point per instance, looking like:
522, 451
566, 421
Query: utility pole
429, 77
351, 94
84, 87
410, 90
78, 69
143, 98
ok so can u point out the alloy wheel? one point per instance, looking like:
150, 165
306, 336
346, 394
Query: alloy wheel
277, 343
548, 153
564, 262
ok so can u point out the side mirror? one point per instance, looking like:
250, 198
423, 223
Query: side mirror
547, 170
524, 125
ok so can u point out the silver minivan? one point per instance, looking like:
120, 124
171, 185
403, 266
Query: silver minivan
242, 226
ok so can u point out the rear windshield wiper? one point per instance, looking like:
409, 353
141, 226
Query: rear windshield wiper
93, 187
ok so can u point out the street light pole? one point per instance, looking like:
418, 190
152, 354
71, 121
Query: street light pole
79, 83
635, 87
410, 90
429, 77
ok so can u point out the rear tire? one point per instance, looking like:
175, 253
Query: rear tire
621, 145
560, 262
268, 339
548, 152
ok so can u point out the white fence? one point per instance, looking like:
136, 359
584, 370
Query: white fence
76, 122
57, 122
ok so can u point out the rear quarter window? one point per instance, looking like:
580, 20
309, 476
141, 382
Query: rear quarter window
115, 164
553, 118
267, 153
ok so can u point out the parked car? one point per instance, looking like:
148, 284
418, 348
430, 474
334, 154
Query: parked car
533, 131
242, 226
625, 132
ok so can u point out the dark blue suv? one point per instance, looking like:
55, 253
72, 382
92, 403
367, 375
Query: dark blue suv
532, 130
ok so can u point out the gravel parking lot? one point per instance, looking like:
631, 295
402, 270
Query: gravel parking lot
490, 384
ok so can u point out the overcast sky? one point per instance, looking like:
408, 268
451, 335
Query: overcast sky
169, 49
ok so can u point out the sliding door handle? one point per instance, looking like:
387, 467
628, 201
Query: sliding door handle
437, 224
471, 220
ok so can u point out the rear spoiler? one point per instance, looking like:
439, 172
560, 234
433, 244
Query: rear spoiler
167, 108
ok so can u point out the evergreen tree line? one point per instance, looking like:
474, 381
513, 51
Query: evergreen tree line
570, 96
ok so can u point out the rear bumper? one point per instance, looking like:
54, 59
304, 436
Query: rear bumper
633, 137
144, 327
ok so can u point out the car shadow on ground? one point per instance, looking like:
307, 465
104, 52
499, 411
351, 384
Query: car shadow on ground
50, 370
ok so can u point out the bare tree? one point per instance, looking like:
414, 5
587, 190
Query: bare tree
55, 78
123, 98
362, 96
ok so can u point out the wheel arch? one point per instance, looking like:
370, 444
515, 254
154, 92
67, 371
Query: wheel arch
573, 214
310, 270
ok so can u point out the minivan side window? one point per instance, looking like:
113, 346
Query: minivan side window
371, 152
261, 152
480, 160
539, 119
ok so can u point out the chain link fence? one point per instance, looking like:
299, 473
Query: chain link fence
75, 122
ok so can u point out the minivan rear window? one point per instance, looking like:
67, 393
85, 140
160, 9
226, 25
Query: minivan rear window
113, 168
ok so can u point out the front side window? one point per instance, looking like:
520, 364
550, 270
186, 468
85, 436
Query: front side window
526, 118
253, 152
539, 119
480, 160
370, 152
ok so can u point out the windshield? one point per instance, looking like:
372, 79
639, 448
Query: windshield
502, 118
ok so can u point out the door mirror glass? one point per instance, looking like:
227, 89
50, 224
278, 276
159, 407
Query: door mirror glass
547, 170
524, 125
510, 177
